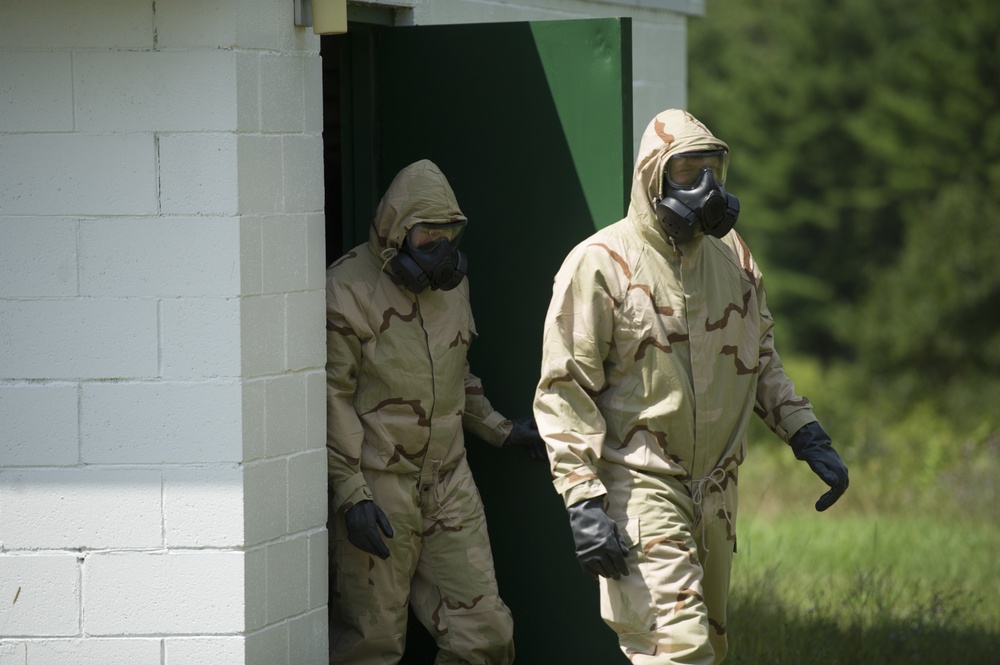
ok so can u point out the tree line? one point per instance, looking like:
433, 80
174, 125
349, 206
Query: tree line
865, 144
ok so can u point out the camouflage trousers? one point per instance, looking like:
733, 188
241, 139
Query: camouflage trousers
671, 608
440, 563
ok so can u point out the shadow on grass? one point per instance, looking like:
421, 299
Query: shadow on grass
864, 629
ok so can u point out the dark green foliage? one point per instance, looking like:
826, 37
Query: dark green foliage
866, 153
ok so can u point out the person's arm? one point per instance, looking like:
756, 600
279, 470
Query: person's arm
479, 417
791, 417
577, 338
779, 407
344, 433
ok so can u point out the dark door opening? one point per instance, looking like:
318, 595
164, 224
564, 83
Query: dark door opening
531, 123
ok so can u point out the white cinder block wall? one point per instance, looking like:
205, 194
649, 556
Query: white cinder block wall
162, 411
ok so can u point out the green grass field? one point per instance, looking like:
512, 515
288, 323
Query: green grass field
893, 573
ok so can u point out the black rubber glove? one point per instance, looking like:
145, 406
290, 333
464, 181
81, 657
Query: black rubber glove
599, 544
812, 445
525, 434
363, 520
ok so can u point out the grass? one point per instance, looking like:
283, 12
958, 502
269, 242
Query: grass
891, 574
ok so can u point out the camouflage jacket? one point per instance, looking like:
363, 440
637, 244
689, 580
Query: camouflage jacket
399, 389
655, 355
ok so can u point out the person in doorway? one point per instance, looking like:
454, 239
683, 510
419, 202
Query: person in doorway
408, 522
658, 348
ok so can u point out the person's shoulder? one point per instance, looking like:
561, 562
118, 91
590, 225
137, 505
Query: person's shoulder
610, 240
352, 278
353, 263
736, 250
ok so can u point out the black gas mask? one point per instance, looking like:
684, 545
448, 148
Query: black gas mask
694, 198
429, 256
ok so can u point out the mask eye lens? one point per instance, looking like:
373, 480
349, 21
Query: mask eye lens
424, 234
684, 170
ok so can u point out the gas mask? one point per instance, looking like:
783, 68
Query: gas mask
429, 256
694, 198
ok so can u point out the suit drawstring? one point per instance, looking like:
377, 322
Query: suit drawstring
698, 492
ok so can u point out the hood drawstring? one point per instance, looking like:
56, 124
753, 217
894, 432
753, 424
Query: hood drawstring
389, 253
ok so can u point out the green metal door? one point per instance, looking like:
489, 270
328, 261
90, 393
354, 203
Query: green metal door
531, 123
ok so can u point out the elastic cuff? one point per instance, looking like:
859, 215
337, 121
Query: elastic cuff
500, 426
581, 491
794, 422
353, 490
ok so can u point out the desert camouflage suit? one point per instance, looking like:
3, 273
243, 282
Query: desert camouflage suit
655, 357
399, 393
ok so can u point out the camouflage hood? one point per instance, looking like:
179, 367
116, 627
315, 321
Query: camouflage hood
671, 132
418, 193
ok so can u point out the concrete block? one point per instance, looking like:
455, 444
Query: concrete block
72, 24
285, 415
316, 246
146, 593
284, 253
260, 174
81, 508
287, 578
198, 174
94, 651
146, 91
200, 337
78, 174
269, 646
203, 506
38, 257
254, 402
316, 409
262, 327
47, 589
13, 653
307, 491
265, 500
319, 569
312, 75
656, 45
177, 256
248, 91
38, 425
255, 572
204, 651
251, 255
266, 25
282, 93
73, 339
306, 329
154, 423
195, 24
37, 92
303, 170
308, 638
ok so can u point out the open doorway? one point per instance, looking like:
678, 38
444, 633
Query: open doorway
531, 123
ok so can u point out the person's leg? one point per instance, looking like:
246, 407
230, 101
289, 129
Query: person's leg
454, 589
716, 538
368, 595
659, 610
